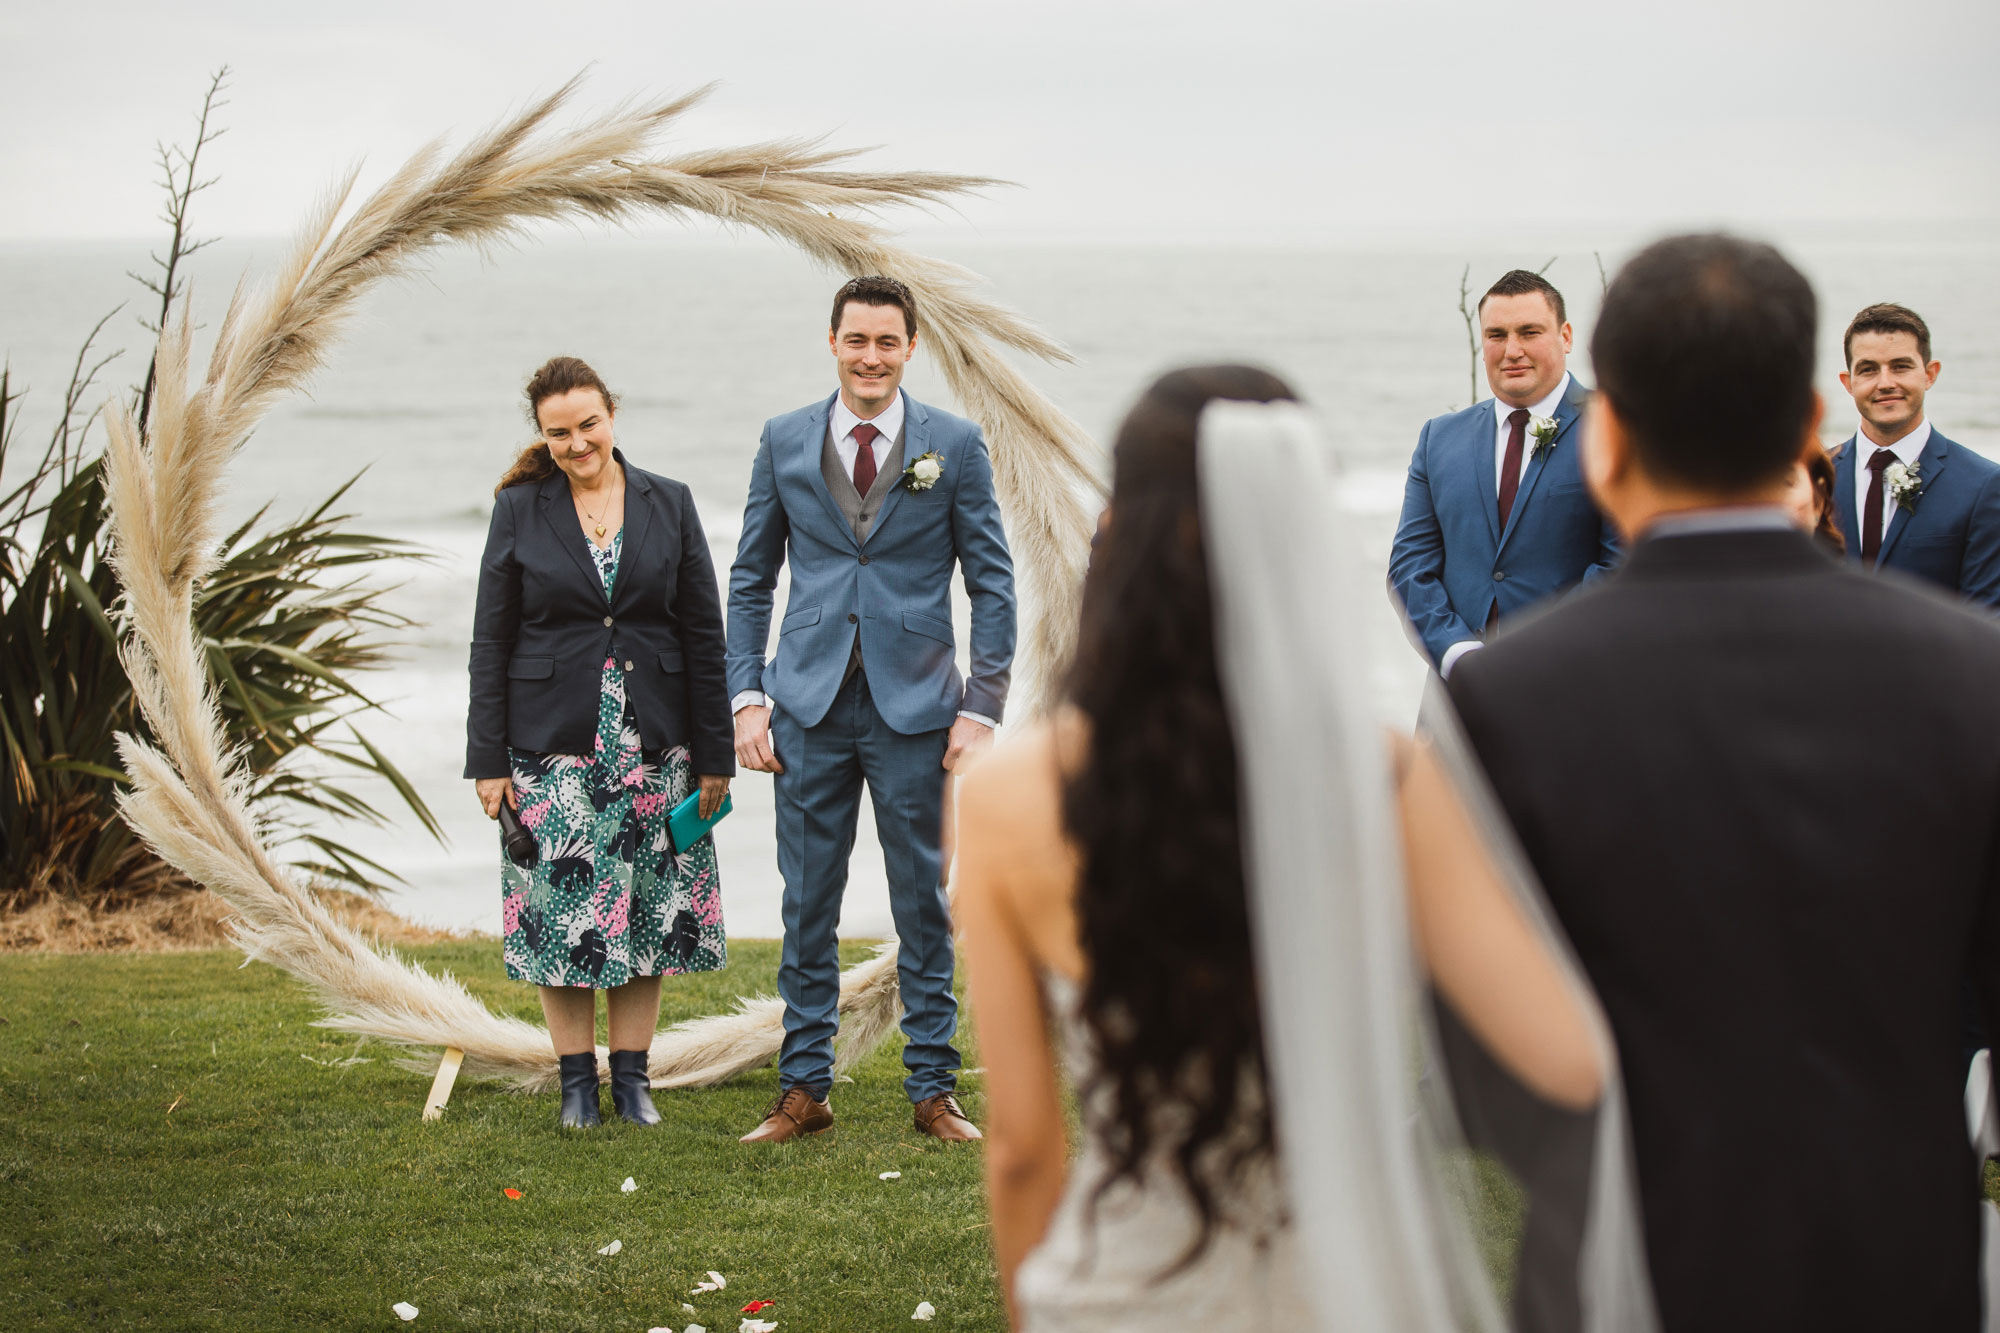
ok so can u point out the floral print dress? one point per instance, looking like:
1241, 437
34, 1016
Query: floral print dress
607, 900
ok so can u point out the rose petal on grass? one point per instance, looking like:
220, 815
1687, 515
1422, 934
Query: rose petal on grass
694, 1328
686, 1308
511, 1193
404, 1311
718, 1279
754, 1306
890, 1175
757, 1326
629, 1185
613, 1247
925, 1312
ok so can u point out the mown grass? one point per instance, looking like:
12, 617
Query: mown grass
181, 1149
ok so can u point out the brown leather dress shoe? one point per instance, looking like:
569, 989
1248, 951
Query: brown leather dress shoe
942, 1117
794, 1115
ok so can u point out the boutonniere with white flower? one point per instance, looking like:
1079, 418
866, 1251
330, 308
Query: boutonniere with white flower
1905, 485
924, 473
1542, 430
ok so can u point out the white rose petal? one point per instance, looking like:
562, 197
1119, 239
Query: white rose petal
686, 1308
890, 1175
718, 1279
925, 1312
928, 469
757, 1326
629, 1185
613, 1247
404, 1311
693, 1328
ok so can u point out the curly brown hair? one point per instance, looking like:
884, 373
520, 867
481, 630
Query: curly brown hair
558, 375
1171, 997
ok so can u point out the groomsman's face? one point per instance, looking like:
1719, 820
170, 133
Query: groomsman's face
872, 347
1888, 380
1526, 349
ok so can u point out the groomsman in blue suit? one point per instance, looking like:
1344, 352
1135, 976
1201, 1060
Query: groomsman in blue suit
1495, 514
872, 498
1912, 499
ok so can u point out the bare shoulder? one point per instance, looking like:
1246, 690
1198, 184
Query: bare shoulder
1012, 801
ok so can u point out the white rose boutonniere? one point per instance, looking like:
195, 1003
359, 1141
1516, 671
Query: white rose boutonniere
1904, 484
924, 473
1542, 430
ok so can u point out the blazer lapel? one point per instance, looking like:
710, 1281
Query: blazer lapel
638, 523
808, 459
916, 434
1567, 413
1485, 469
568, 531
1930, 463
1843, 497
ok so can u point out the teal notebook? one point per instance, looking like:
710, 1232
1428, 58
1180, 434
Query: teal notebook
686, 826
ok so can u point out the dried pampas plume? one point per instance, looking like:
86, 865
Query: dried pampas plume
187, 797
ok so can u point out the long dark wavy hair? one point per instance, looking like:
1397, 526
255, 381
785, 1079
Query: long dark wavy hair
1171, 997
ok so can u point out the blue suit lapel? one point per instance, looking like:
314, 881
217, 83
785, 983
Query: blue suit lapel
1930, 464
916, 441
562, 520
1485, 469
808, 458
1567, 412
1843, 498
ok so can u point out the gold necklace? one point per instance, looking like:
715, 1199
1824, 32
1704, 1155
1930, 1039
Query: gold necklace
594, 518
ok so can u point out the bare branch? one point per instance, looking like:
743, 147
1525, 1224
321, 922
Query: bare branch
1465, 309
182, 185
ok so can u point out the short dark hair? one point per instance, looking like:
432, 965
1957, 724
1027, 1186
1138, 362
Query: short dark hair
1678, 312
1887, 317
1520, 282
874, 289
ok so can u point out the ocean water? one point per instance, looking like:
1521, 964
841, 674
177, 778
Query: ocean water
706, 336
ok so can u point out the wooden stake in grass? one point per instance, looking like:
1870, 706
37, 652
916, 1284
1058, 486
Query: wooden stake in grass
441, 1085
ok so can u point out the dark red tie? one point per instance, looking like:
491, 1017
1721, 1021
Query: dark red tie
864, 457
1871, 510
1510, 467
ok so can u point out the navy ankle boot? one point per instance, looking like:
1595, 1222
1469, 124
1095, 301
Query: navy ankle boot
579, 1090
631, 1088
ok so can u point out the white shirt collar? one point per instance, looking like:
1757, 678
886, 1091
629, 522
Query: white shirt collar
889, 421
1906, 449
1546, 408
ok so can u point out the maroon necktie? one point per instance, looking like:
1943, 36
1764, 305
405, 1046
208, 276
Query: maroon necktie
864, 456
1871, 511
1510, 468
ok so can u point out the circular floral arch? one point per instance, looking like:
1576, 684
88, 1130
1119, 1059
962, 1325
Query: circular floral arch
187, 797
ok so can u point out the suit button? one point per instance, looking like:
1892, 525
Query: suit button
853, 619
628, 666
1499, 576
864, 559
607, 622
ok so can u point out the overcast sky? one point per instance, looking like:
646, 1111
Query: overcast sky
1158, 119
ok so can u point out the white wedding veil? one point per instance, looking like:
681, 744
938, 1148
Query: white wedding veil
1380, 1182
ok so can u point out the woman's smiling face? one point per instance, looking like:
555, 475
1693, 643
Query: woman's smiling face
576, 426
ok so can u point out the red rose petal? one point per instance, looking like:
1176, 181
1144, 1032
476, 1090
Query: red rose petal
511, 1193
754, 1306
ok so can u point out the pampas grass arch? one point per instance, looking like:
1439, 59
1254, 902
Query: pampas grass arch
187, 795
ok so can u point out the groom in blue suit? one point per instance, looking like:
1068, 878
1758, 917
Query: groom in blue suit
872, 498
1495, 514
1912, 499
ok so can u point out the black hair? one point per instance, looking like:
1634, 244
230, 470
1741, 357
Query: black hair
1887, 317
1521, 282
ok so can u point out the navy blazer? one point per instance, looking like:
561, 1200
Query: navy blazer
542, 629
1951, 535
1452, 565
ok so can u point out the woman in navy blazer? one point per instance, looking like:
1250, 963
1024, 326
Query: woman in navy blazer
598, 704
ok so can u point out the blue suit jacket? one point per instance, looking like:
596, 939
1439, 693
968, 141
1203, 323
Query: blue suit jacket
1451, 564
1951, 536
894, 590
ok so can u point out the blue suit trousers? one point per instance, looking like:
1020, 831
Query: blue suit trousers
819, 802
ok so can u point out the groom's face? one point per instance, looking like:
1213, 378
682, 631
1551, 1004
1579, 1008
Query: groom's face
1888, 378
872, 346
1526, 347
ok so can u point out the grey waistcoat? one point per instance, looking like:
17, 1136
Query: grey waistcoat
859, 510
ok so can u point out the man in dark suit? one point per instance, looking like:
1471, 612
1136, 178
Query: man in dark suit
1495, 517
1779, 955
1916, 501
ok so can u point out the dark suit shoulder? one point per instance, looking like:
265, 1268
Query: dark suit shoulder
1464, 419
1978, 464
799, 418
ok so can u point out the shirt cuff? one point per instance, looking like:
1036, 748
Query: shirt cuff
981, 719
1456, 651
749, 699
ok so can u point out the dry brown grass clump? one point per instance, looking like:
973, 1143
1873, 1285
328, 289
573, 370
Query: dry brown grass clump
179, 922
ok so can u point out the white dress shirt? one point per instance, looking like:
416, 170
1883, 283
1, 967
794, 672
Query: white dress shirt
1907, 451
889, 421
1501, 430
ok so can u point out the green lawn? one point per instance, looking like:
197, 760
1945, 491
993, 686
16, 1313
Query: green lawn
180, 1149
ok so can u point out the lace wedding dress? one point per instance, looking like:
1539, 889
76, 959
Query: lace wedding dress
1114, 1269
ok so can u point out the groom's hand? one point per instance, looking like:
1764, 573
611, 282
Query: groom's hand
967, 739
753, 740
